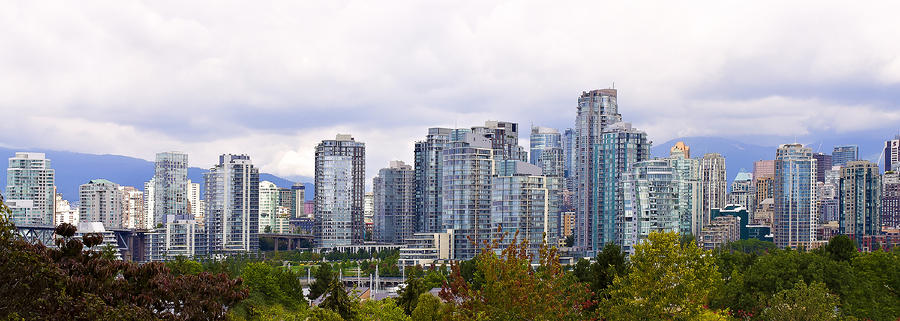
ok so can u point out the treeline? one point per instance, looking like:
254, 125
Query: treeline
667, 278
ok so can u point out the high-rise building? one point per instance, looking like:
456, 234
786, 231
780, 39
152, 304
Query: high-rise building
621, 146
232, 205
689, 196
196, 204
651, 197
765, 196
504, 138
428, 179
101, 201
525, 206
65, 213
293, 198
828, 196
395, 203
890, 200
466, 192
892, 154
340, 189
714, 182
843, 154
170, 188
132, 207
597, 109
860, 199
742, 192
823, 163
680, 148
148, 221
298, 209
30, 189
547, 151
796, 211
369, 215
569, 151
764, 168
268, 206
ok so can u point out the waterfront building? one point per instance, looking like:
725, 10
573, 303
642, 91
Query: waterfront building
428, 176
132, 207
232, 206
101, 201
170, 188
466, 192
596, 110
340, 189
394, 203
524, 206
30, 189
651, 203
689, 189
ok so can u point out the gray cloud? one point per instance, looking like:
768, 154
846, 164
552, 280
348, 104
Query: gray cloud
273, 78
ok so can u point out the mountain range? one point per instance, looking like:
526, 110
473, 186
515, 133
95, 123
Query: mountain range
73, 169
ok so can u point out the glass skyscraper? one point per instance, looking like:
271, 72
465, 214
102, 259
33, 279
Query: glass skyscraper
843, 154
860, 199
525, 206
651, 203
30, 189
232, 205
466, 193
170, 191
597, 109
621, 146
689, 204
395, 206
794, 189
547, 151
339, 184
428, 178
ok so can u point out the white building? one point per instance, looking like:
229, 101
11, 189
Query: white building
101, 201
426, 248
65, 213
132, 207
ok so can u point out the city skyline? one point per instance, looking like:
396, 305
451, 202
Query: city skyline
186, 90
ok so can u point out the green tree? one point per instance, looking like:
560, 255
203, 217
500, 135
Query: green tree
382, 310
429, 308
324, 276
183, 266
507, 287
609, 263
874, 293
841, 248
802, 302
337, 300
408, 296
668, 280
67, 282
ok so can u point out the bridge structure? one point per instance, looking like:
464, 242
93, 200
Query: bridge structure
293, 241
130, 243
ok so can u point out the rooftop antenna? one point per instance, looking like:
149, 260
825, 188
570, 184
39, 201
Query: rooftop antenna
614, 85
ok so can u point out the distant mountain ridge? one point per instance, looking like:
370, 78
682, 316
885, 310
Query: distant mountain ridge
73, 169
737, 155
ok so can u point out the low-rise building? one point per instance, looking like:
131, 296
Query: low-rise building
426, 248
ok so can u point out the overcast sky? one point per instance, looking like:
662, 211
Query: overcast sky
273, 78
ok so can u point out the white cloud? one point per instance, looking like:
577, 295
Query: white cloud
273, 78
